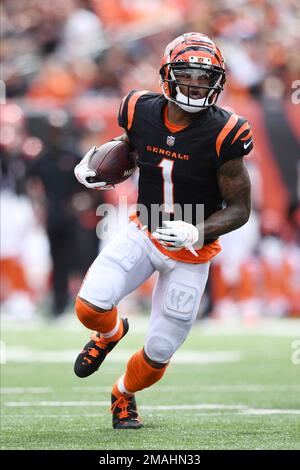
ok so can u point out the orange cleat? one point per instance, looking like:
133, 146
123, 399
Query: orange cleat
95, 351
124, 413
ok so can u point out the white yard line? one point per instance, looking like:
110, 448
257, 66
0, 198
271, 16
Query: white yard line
271, 411
240, 409
54, 404
38, 404
263, 327
24, 390
203, 388
139, 324
49, 415
192, 407
28, 355
226, 388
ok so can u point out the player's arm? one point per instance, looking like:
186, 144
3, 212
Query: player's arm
234, 186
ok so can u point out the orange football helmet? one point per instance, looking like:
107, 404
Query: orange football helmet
192, 72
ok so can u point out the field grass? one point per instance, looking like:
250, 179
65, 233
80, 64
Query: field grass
227, 389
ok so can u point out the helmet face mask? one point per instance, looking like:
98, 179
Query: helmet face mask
192, 74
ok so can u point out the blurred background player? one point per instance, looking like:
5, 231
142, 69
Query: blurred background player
72, 245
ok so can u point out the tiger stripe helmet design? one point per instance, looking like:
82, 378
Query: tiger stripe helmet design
192, 53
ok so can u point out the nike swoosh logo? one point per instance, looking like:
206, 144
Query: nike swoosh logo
247, 145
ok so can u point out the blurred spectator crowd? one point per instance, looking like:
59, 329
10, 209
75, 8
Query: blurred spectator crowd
66, 66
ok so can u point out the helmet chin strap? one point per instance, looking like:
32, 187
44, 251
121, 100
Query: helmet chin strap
197, 105
186, 107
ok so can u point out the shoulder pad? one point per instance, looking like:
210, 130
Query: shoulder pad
127, 108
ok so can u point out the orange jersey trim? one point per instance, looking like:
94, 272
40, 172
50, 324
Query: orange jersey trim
122, 105
170, 125
131, 106
225, 131
205, 254
250, 134
240, 131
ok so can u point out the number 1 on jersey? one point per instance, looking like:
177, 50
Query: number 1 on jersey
168, 190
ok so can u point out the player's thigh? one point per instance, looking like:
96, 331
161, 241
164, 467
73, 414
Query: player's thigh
121, 267
175, 304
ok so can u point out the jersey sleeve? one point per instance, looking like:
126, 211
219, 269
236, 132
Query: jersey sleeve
123, 110
235, 140
127, 109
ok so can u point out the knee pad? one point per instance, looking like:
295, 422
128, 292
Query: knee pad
159, 349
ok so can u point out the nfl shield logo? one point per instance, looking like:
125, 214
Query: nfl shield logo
170, 140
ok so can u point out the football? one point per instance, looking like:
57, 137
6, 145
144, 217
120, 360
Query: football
113, 162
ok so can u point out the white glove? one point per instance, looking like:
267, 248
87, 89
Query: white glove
177, 234
82, 172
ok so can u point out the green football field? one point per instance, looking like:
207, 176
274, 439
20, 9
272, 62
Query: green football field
227, 388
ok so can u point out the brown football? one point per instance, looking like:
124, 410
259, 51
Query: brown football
113, 162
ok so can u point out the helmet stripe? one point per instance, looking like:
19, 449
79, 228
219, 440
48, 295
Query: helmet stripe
195, 48
250, 134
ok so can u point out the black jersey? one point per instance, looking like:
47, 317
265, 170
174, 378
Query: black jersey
180, 168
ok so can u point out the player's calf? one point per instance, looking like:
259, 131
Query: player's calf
141, 372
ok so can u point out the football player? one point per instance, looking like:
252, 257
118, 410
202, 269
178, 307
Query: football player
190, 152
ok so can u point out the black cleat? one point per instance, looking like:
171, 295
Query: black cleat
94, 352
124, 413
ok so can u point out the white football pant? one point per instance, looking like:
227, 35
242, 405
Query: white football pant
124, 264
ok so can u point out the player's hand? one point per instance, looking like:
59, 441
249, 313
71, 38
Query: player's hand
83, 173
177, 234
